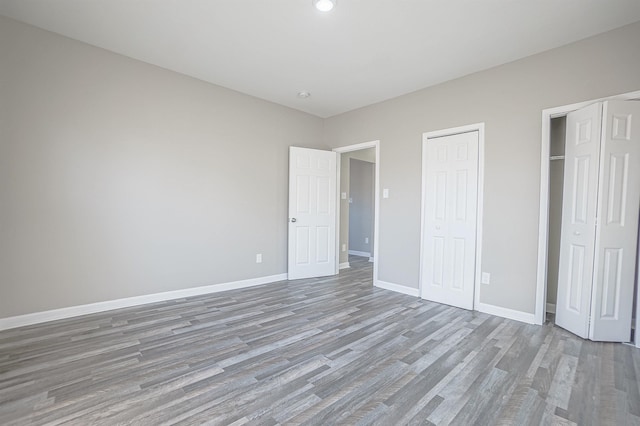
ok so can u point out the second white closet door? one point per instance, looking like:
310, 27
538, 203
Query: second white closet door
579, 202
601, 205
617, 230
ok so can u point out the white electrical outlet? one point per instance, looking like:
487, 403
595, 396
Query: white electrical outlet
344, 247
366, 240
259, 258
486, 278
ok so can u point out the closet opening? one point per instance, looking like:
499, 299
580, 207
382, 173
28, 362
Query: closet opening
556, 181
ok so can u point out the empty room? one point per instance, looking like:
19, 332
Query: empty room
319, 212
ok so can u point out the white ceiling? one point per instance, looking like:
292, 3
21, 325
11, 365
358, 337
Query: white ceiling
362, 52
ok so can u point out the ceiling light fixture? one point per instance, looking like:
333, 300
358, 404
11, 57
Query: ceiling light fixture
324, 5
304, 94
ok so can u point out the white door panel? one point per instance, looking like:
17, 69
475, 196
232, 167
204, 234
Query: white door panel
601, 205
312, 213
617, 231
578, 219
451, 191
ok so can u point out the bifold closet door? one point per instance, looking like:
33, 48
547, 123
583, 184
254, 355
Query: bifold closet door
579, 202
617, 228
600, 211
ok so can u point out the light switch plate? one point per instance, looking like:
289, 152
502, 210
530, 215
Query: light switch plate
385, 193
343, 195
486, 278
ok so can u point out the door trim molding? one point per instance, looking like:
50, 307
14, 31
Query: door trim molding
543, 222
376, 214
479, 127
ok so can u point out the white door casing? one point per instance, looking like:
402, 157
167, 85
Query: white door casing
450, 164
312, 213
617, 227
577, 238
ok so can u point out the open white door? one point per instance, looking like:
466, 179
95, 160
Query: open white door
312, 213
577, 237
617, 230
450, 164
601, 204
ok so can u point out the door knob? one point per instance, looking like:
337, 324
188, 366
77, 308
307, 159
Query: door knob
576, 233
438, 226
293, 219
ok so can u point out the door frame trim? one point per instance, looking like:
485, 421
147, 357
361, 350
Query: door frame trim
543, 222
376, 202
479, 127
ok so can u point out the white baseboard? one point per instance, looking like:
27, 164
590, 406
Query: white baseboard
398, 288
360, 253
344, 265
74, 311
506, 313
551, 308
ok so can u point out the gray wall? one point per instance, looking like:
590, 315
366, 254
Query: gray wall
509, 99
118, 178
361, 193
368, 154
556, 180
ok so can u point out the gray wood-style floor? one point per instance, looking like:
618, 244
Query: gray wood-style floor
320, 351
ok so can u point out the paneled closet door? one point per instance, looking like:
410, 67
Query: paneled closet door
451, 205
577, 239
617, 230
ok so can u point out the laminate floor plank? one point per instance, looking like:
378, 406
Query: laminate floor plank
324, 351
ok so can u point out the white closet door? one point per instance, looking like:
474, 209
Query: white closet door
617, 230
451, 200
577, 239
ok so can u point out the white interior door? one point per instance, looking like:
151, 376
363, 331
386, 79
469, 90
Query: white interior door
312, 213
577, 238
617, 230
450, 219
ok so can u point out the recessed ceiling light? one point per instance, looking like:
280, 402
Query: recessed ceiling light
304, 94
324, 5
